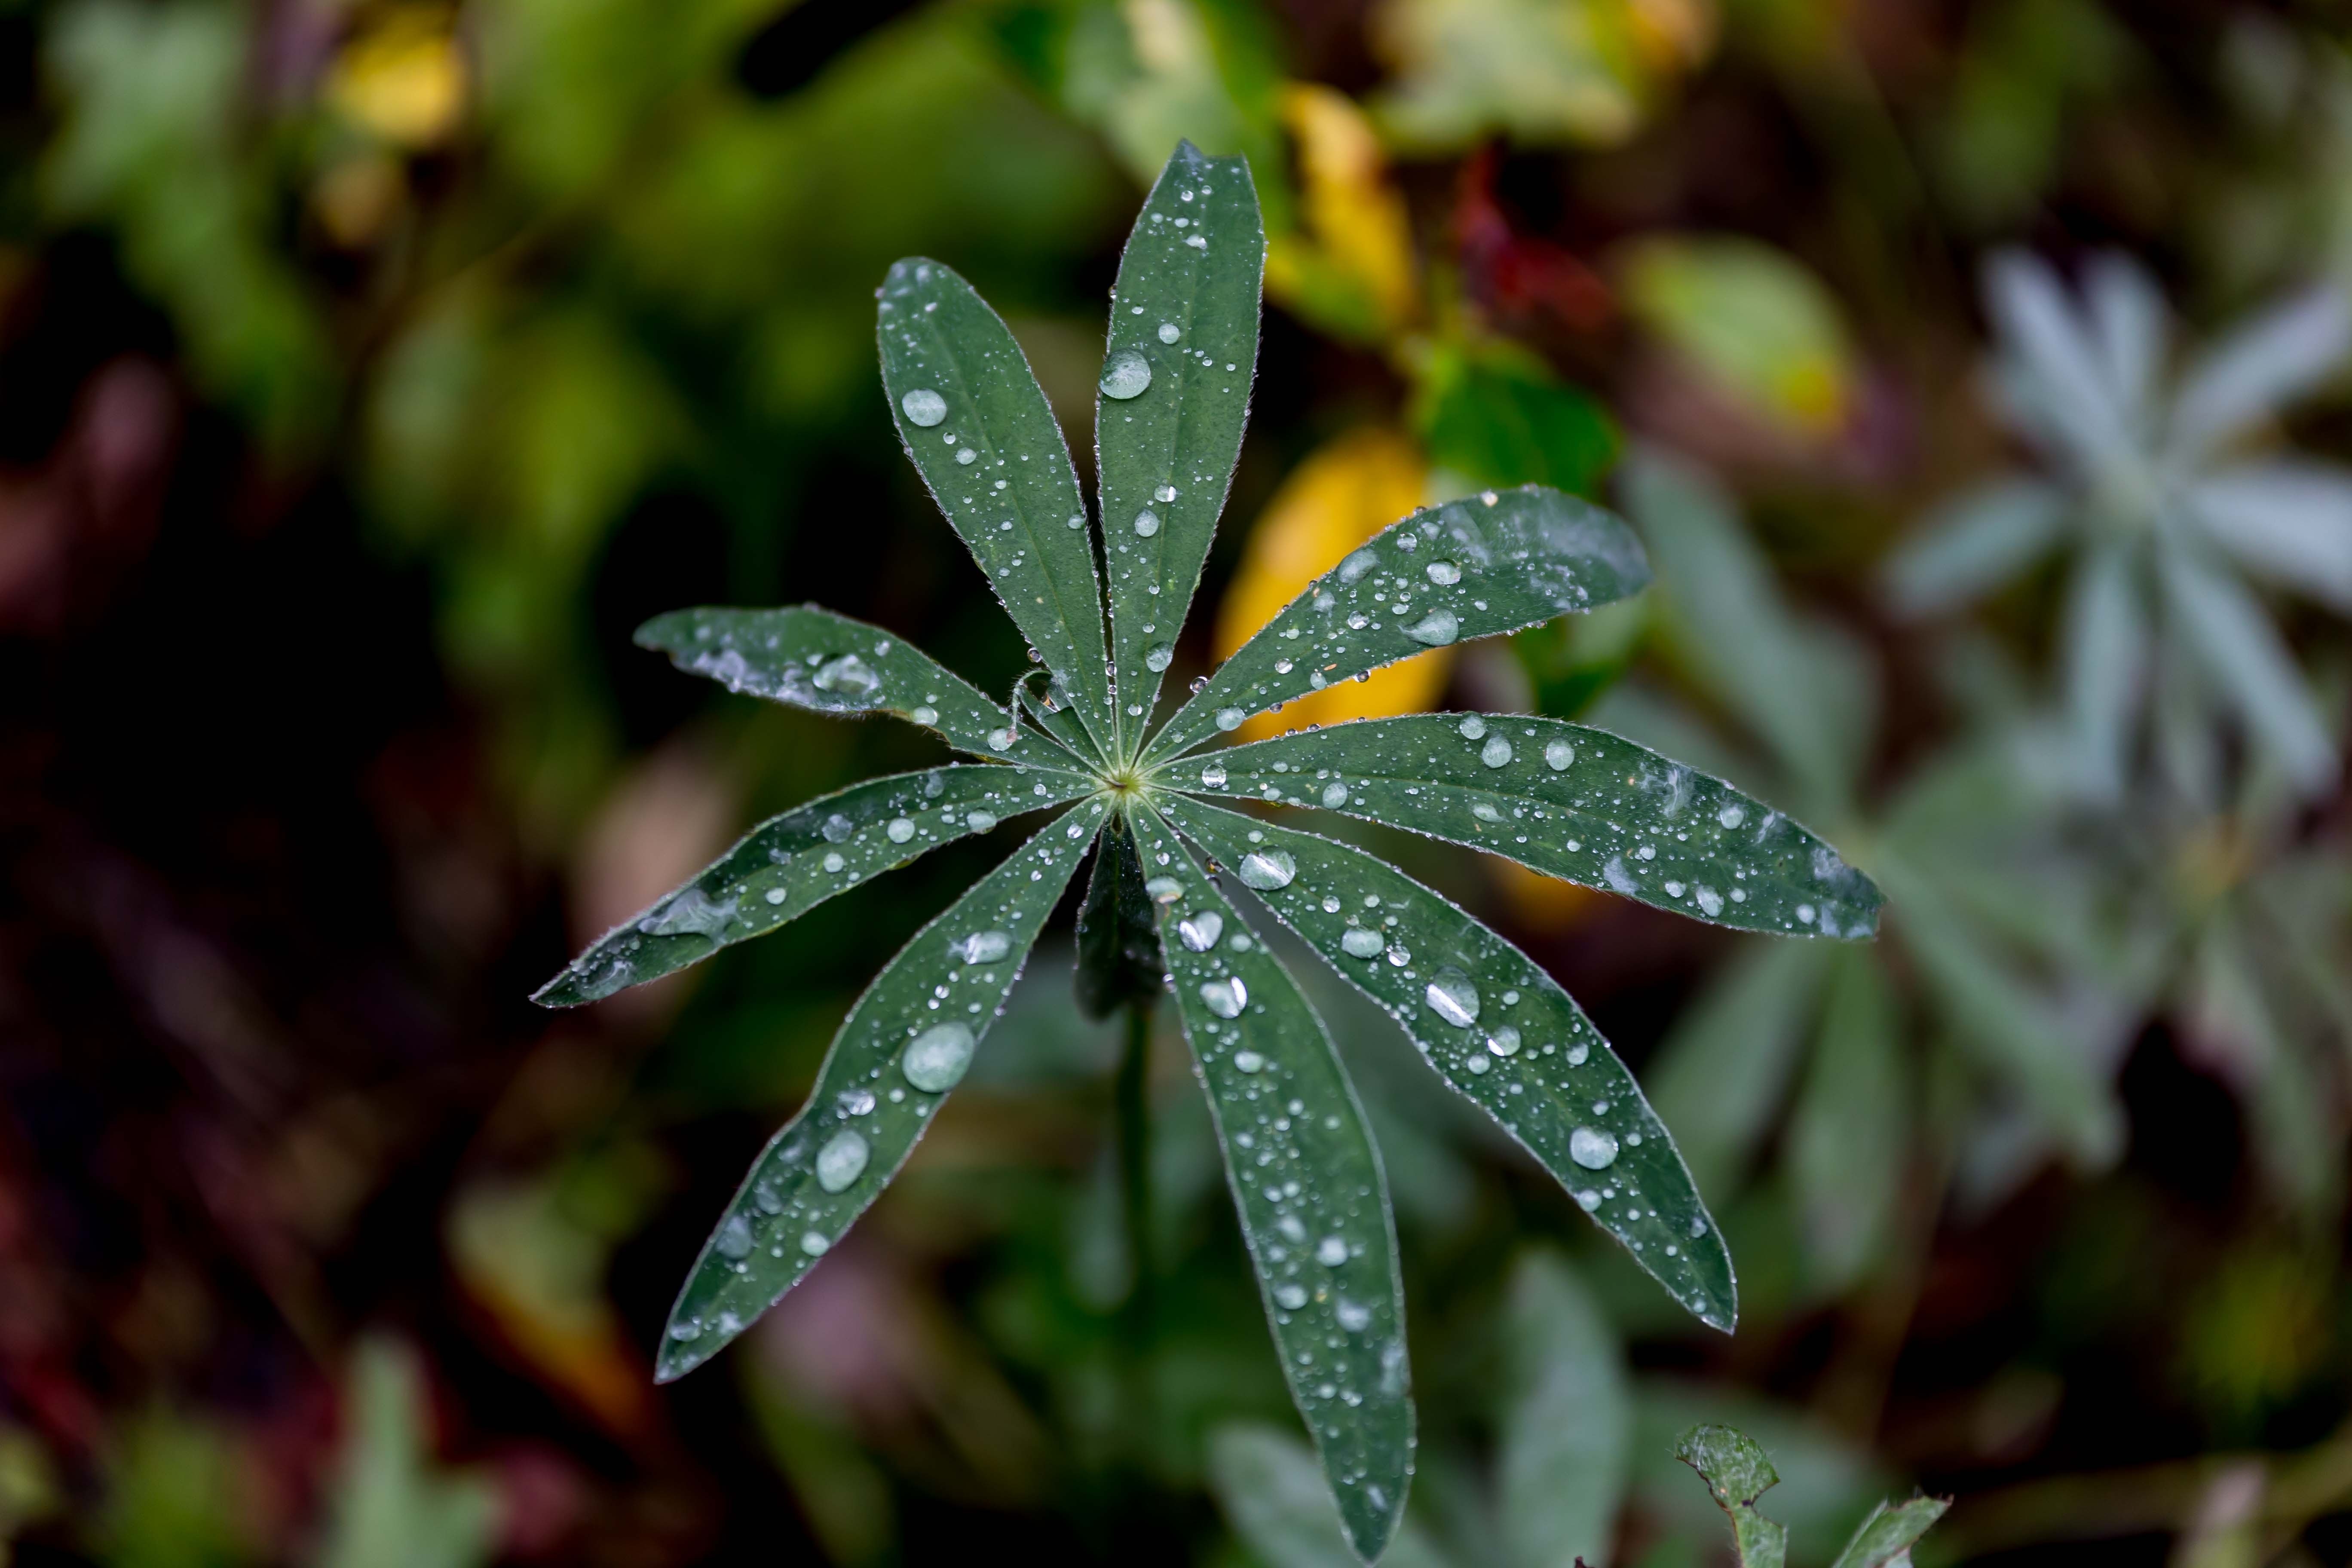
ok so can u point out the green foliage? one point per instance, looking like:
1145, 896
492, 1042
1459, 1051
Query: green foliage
1737, 1473
1306, 1180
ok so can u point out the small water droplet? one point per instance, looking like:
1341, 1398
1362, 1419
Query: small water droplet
1732, 815
734, 1240
1474, 728
966, 456
980, 821
834, 863
1577, 1054
1495, 753
1200, 932
842, 1160
899, 829
1147, 523
1436, 628
1504, 1042
1214, 777
1230, 718
1227, 998
1445, 574
1354, 1316
1159, 656
1592, 1148
1290, 1297
837, 828
983, 947
849, 675
1557, 754
935, 1060
1164, 494
1267, 869
1169, 332
1478, 1065
924, 407
1453, 997
1125, 374
1163, 889
814, 1243
1331, 1252
1358, 943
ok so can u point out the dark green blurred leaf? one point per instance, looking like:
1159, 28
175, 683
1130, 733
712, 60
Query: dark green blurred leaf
1495, 415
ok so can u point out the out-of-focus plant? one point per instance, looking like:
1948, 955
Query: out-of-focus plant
1077, 734
1737, 1473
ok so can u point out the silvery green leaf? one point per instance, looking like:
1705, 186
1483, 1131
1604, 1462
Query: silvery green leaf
1721, 1074
1737, 1473
2066, 387
1884, 1539
2234, 1017
1569, 800
2246, 658
794, 861
1565, 1426
2104, 641
1474, 568
1827, 1482
904, 1046
1970, 546
1273, 1496
1499, 1030
1807, 693
976, 425
2127, 324
1852, 1125
810, 657
1306, 1183
2287, 520
2259, 368
1185, 307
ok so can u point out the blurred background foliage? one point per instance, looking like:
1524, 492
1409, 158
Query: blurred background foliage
1975, 370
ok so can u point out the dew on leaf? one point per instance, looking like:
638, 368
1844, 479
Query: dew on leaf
1453, 997
935, 1059
1125, 374
1147, 523
1557, 754
1436, 629
1200, 932
842, 1160
1495, 753
1227, 998
1593, 1148
984, 947
1267, 869
924, 407
1358, 943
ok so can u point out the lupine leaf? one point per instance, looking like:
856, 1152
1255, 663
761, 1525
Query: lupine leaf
1185, 307
2259, 368
810, 657
1307, 1184
1498, 1029
898, 1054
1277, 1501
2106, 643
2066, 390
1569, 800
1973, 543
1492, 563
794, 861
1884, 1539
2250, 663
1565, 1422
1119, 941
997, 465
2286, 520
1736, 1471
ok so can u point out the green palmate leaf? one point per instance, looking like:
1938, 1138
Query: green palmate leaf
1736, 1471
1566, 1420
904, 1046
791, 863
973, 420
1174, 396
1495, 562
1275, 1497
810, 657
1118, 938
1569, 800
1884, 1539
1307, 1183
1498, 1029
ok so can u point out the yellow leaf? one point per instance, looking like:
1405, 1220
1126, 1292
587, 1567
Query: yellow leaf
1342, 495
1761, 325
1544, 904
404, 79
1350, 267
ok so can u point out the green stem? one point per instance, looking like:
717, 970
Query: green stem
1134, 1110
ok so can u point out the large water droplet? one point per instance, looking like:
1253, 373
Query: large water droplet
837, 828
1354, 1316
1436, 628
1214, 777
842, 1160
849, 675
1169, 332
1163, 889
1453, 997
1331, 1252
1445, 574
980, 821
1335, 796
1158, 656
1289, 1298
1495, 753
1557, 754
1230, 718
1358, 564
1147, 523
1592, 1148
899, 829
1267, 869
1125, 374
1358, 943
1249, 1061
1472, 728
935, 1059
924, 407
1225, 998
734, 1238
1504, 1042
1200, 932
984, 947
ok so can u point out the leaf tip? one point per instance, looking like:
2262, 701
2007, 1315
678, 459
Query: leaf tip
1733, 1464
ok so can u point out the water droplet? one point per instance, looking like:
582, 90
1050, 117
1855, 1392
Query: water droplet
899, 829
1445, 574
1453, 997
1436, 628
855, 1101
1331, 1252
1330, 904
1214, 777
1169, 332
1290, 1297
687, 1330
849, 675
1710, 902
1163, 889
924, 407
1474, 728
734, 1238
1577, 1053
1200, 932
935, 1059
1164, 494
1335, 796
1227, 998
1358, 565
1125, 374
1267, 869
1592, 1148
1354, 1316
814, 1243
1731, 815
842, 1161
1249, 1061
1478, 1065
980, 821
926, 715
1358, 943
1587, 1200
1147, 523
834, 863
1504, 1042
1495, 753
1557, 754
983, 947
1230, 718
837, 828
966, 456
1159, 656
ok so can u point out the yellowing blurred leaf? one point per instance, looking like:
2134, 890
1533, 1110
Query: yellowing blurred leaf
1342, 495
1753, 319
1148, 72
1541, 902
1539, 70
403, 79
1349, 267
